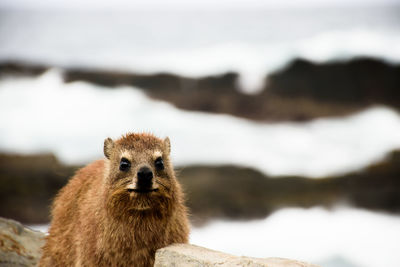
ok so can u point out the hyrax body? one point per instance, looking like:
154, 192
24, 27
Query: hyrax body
118, 211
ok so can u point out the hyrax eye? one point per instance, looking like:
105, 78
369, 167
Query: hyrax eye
124, 165
159, 164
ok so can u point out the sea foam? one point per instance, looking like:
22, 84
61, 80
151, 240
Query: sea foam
45, 114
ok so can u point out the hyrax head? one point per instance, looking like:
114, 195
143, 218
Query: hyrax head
139, 172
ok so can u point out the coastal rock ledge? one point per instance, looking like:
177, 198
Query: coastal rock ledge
195, 256
20, 246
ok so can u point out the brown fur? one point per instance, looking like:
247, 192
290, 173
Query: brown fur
97, 222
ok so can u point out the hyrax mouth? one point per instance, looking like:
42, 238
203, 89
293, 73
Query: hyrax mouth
131, 188
142, 190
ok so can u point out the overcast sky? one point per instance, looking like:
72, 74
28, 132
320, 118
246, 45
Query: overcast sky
209, 4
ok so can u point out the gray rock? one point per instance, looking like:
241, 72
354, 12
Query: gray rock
19, 245
194, 256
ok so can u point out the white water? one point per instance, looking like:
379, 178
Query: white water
71, 120
253, 41
339, 238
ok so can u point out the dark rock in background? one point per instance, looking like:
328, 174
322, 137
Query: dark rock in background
28, 185
21, 69
209, 94
231, 192
301, 91
361, 80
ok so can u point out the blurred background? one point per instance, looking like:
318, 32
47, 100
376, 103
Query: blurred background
283, 115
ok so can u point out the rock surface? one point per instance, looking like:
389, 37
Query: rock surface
19, 246
194, 256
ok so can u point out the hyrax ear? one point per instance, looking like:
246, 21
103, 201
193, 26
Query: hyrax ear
167, 145
108, 146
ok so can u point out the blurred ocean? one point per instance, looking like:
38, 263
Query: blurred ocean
343, 237
196, 42
71, 120
44, 114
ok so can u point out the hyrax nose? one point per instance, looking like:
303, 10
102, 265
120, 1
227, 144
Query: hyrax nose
144, 175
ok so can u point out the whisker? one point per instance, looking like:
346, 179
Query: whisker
166, 187
124, 182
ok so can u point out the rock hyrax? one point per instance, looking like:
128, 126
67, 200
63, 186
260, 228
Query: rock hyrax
120, 210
